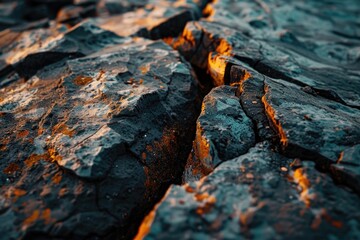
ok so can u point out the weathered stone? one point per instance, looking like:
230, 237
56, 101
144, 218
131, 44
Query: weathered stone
203, 44
309, 126
223, 131
257, 195
96, 122
347, 168
94, 140
158, 20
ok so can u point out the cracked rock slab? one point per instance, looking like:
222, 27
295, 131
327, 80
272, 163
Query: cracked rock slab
223, 132
204, 43
88, 148
310, 126
258, 195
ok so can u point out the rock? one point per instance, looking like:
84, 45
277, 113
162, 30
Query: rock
251, 197
347, 168
97, 140
205, 43
309, 126
82, 40
251, 89
223, 131
75, 14
98, 119
158, 20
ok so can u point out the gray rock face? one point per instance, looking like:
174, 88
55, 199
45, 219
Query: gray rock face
223, 131
298, 79
98, 118
94, 140
259, 195
347, 168
313, 124
159, 19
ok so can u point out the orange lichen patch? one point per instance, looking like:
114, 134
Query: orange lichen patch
57, 178
11, 168
34, 158
62, 192
17, 192
32, 218
51, 155
208, 205
207, 202
2, 99
22, 134
3, 144
301, 179
44, 215
324, 215
270, 112
144, 68
201, 196
189, 189
62, 128
82, 80
143, 156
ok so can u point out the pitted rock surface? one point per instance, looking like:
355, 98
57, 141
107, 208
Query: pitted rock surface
259, 195
312, 123
295, 66
81, 151
223, 131
98, 110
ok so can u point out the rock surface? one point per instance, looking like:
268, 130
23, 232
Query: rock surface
300, 89
98, 109
90, 144
259, 195
223, 131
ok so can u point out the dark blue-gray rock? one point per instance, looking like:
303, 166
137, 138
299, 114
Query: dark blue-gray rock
258, 195
347, 168
310, 126
223, 131
89, 148
158, 19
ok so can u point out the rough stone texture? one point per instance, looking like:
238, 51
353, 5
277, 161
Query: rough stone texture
347, 168
296, 69
223, 131
89, 144
279, 53
258, 196
159, 19
314, 126
97, 122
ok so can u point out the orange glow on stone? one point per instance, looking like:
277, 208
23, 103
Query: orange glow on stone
270, 112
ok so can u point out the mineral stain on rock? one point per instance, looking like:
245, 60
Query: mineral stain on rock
190, 119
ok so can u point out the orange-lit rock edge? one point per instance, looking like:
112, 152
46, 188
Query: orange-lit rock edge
270, 112
145, 226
